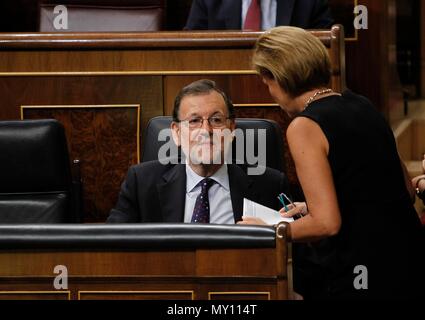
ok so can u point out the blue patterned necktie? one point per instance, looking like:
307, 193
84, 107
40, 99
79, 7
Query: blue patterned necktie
201, 212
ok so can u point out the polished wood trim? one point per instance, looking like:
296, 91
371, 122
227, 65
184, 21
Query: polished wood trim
135, 40
127, 73
355, 38
356, 32
79, 106
337, 56
127, 40
255, 105
140, 277
284, 265
211, 293
192, 293
36, 292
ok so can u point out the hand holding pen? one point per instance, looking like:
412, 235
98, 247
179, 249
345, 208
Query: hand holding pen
297, 209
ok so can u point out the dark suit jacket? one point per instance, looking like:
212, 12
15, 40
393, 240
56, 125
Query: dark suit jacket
226, 14
157, 193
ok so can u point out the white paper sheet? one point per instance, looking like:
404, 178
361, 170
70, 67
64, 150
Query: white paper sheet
269, 216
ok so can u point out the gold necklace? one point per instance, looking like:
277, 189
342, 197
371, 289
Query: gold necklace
318, 93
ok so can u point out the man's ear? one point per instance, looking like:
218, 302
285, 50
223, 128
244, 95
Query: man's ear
175, 131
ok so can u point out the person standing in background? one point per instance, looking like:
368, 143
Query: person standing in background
256, 15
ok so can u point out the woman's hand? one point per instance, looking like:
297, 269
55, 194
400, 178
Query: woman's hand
421, 183
418, 182
252, 220
300, 208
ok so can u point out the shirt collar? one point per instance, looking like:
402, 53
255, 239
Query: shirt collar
193, 179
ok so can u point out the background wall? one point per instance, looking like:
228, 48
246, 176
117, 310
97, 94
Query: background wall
375, 57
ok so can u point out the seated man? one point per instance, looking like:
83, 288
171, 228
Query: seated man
258, 15
203, 189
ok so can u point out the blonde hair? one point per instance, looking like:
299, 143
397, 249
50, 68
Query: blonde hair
293, 57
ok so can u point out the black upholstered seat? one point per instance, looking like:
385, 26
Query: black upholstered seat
35, 175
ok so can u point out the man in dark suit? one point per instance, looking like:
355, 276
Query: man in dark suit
232, 14
203, 188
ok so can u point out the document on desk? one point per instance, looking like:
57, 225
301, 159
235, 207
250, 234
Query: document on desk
269, 216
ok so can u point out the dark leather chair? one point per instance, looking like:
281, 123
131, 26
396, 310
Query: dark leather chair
104, 15
36, 184
274, 142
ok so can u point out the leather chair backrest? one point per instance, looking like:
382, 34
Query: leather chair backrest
35, 173
104, 16
136, 236
273, 147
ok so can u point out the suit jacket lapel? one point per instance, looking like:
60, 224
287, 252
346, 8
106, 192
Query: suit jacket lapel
172, 194
232, 13
240, 187
284, 12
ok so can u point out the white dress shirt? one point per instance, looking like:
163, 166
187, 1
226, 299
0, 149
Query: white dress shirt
268, 13
221, 210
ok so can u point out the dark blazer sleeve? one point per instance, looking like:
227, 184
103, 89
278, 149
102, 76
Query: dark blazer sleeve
220, 14
198, 16
126, 209
321, 17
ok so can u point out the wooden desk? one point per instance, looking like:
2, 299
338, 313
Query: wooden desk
142, 264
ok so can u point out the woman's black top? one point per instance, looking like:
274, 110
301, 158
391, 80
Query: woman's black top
380, 228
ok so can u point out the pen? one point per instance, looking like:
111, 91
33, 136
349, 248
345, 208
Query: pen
287, 198
282, 202
290, 201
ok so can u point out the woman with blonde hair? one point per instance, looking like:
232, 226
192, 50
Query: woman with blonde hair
351, 175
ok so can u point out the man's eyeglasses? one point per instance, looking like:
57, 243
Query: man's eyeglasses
216, 122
